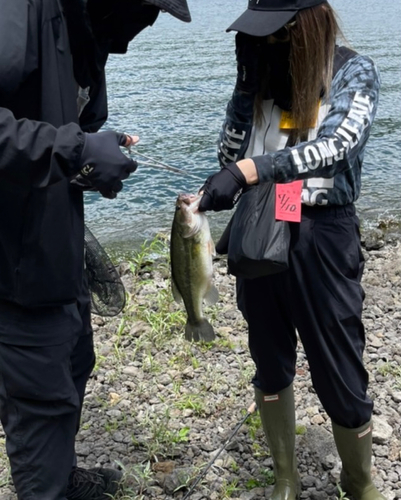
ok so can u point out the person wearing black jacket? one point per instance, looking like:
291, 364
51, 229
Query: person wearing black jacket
53, 101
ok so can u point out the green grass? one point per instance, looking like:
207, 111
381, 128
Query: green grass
393, 371
342, 495
264, 478
192, 402
300, 430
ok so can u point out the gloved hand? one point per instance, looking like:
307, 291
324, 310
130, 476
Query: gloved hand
222, 190
104, 166
248, 50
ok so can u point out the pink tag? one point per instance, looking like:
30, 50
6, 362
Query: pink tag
288, 201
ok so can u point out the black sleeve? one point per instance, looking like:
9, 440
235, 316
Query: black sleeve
34, 153
94, 114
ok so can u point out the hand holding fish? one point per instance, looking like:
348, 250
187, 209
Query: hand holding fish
223, 189
192, 251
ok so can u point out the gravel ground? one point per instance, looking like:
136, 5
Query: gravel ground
160, 407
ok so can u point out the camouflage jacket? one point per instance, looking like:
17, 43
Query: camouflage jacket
330, 161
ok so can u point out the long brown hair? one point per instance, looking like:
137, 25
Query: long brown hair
312, 44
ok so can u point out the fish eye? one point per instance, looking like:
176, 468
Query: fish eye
177, 207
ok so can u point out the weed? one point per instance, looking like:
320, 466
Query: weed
342, 494
391, 370
191, 402
111, 426
160, 440
234, 466
259, 451
229, 488
266, 478
224, 342
135, 481
99, 361
254, 424
300, 430
143, 259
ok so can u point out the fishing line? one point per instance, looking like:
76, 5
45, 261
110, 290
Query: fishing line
249, 412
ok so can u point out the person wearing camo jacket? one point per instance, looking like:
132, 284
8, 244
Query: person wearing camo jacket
302, 110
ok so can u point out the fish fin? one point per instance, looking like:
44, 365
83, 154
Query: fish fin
202, 330
212, 248
176, 294
211, 295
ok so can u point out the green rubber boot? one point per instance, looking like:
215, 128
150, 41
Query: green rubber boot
277, 412
355, 449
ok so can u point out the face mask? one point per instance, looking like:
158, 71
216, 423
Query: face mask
280, 84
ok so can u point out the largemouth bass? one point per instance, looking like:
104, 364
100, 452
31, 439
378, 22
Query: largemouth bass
192, 251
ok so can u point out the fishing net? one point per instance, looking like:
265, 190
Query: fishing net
106, 288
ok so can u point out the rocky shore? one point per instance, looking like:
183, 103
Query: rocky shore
160, 408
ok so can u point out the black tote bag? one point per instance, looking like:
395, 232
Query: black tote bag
255, 242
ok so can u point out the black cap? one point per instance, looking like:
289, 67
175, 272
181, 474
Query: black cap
264, 17
177, 8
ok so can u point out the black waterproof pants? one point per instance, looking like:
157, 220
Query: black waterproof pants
46, 357
321, 297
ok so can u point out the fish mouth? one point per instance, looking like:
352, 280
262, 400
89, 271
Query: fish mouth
192, 200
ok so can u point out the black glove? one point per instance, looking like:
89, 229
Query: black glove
248, 50
104, 166
222, 190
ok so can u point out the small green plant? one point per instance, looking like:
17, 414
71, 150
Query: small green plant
143, 259
342, 495
136, 480
160, 315
254, 424
260, 451
5, 478
111, 426
159, 439
224, 342
191, 402
391, 370
229, 488
300, 430
266, 478
234, 466
99, 361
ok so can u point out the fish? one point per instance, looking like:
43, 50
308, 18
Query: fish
191, 251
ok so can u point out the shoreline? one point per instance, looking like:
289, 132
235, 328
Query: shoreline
161, 407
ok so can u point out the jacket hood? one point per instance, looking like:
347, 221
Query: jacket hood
97, 28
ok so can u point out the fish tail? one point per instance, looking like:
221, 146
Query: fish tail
202, 330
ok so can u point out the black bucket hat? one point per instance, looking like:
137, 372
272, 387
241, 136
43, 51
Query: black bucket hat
264, 17
177, 8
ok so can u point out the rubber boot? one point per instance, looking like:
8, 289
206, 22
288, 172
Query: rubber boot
355, 449
277, 412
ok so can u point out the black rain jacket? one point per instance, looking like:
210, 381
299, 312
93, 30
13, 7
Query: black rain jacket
41, 213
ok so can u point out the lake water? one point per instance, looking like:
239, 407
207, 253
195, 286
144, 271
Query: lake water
172, 88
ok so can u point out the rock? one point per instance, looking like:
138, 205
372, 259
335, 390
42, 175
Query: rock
319, 442
179, 478
382, 431
131, 371
165, 467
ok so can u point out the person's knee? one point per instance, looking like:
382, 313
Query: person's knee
39, 376
346, 411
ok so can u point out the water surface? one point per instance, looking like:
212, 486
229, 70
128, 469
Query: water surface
172, 88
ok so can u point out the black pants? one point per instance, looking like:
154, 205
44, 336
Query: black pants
321, 297
46, 357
